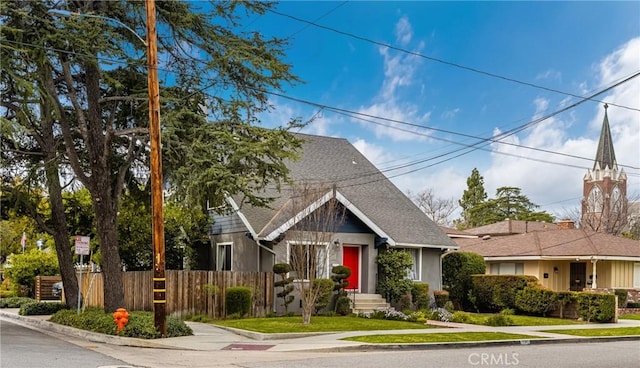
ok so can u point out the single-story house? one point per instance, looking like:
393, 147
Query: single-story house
563, 258
378, 216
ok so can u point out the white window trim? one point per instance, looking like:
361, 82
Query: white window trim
419, 262
230, 244
326, 261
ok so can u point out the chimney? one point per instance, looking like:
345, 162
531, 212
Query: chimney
566, 224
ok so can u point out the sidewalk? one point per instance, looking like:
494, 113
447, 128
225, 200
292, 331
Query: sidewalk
208, 337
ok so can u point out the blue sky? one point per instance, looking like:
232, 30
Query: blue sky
577, 48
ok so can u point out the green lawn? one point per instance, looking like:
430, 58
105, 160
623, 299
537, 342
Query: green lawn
594, 332
318, 324
630, 316
439, 337
481, 318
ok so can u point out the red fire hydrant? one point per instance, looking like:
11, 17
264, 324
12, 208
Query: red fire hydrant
121, 318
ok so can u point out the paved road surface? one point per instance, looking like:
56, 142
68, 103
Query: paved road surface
22, 347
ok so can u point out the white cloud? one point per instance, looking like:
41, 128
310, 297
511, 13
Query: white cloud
399, 76
549, 74
559, 187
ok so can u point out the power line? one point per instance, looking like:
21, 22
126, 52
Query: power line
449, 63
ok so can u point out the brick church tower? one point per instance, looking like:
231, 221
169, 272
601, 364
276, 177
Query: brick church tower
604, 201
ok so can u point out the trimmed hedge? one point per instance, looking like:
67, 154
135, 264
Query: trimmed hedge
238, 301
534, 299
41, 308
15, 301
596, 307
140, 325
420, 295
440, 297
494, 293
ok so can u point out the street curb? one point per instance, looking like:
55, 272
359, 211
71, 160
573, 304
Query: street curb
470, 344
87, 335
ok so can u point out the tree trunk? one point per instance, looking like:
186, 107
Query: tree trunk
106, 219
60, 233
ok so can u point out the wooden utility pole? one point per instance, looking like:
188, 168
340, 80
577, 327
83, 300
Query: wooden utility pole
157, 218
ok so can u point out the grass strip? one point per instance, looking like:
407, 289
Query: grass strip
439, 337
318, 324
595, 332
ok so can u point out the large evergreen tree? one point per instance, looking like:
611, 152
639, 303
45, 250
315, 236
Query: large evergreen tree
74, 105
509, 203
474, 195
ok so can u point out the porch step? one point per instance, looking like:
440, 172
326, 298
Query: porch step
367, 303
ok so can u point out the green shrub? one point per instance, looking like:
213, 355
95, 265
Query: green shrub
15, 301
622, 295
534, 299
507, 312
140, 325
282, 269
441, 297
499, 320
457, 268
393, 268
461, 317
496, 292
420, 295
25, 267
324, 289
343, 305
633, 304
238, 300
596, 307
40, 308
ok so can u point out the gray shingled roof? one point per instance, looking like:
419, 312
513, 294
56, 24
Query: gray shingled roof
329, 161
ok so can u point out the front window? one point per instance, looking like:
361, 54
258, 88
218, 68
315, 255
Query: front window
307, 260
223, 257
414, 272
507, 269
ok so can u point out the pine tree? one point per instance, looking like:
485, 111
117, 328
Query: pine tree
473, 196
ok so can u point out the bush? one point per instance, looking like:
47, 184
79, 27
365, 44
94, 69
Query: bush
285, 283
441, 297
622, 295
25, 267
420, 295
343, 305
457, 268
323, 289
141, 324
461, 317
40, 308
441, 314
499, 320
534, 299
633, 305
496, 292
393, 268
238, 300
596, 307
15, 301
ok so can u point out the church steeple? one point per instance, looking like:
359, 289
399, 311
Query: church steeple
605, 156
604, 201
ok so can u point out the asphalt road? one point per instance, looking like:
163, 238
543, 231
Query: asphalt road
22, 347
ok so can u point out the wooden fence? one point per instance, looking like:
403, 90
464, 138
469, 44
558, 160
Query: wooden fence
43, 287
188, 292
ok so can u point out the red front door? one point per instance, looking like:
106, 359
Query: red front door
351, 259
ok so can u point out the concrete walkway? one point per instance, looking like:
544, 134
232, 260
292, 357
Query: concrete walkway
208, 337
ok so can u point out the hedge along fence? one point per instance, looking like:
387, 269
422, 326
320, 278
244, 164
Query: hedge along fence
522, 293
493, 293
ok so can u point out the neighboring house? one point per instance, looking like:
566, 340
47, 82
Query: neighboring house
378, 216
510, 227
562, 259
